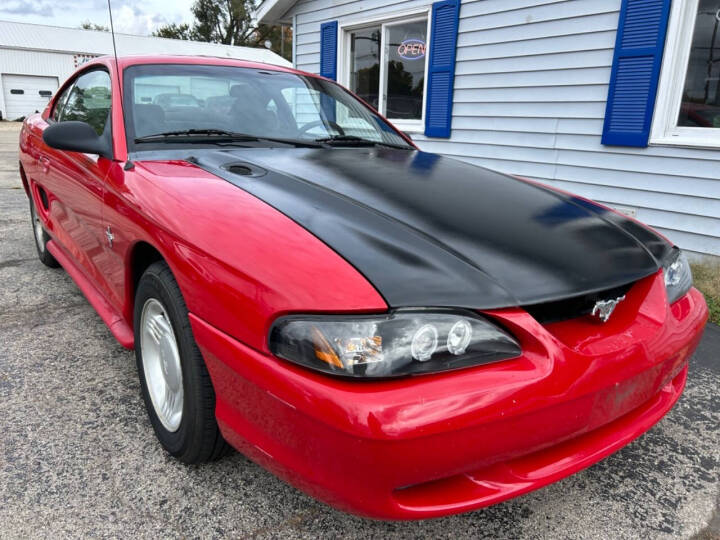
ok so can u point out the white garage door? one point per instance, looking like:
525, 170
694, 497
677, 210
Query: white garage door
25, 94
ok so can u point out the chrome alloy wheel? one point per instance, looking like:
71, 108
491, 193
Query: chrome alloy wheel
38, 229
161, 364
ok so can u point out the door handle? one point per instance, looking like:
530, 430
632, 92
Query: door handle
44, 163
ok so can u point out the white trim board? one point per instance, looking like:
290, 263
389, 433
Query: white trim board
678, 43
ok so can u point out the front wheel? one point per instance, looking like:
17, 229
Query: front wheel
176, 386
41, 239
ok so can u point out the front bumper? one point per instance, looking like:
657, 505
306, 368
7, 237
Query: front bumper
447, 443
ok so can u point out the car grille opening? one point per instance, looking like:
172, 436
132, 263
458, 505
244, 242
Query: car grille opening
574, 307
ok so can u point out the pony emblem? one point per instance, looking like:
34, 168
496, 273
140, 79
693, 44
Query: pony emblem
604, 308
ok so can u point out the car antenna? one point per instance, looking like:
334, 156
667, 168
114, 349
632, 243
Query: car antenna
128, 164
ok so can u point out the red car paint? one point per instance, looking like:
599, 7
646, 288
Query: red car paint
402, 449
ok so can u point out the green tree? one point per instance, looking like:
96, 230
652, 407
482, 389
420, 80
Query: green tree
229, 22
89, 25
174, 31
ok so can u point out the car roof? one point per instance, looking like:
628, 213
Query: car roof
124, 62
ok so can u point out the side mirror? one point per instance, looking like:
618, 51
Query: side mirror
76, 137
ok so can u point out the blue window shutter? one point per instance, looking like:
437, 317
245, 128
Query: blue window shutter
635, 72
441, 68
328, 49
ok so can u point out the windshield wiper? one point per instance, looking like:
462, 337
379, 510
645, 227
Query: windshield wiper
191, 133
218, 136
359, 141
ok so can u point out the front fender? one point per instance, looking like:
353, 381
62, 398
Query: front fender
239, 262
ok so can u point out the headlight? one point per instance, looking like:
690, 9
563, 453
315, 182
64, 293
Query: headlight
678, 277
401, 343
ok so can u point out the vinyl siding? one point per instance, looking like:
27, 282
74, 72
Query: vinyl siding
530, 90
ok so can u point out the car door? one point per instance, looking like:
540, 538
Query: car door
75, 181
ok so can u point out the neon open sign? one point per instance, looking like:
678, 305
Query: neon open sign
412, 49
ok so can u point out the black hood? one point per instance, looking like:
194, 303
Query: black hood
427, 230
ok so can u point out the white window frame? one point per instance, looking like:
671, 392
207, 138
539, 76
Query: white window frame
384, 21
678, 43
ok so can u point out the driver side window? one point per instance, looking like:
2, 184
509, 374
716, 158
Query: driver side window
88, 101
60, 103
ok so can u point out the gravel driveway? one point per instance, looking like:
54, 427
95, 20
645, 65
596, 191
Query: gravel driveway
78, 457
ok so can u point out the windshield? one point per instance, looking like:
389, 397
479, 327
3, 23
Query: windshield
172, 99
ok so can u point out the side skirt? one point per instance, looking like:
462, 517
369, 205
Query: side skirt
109, 315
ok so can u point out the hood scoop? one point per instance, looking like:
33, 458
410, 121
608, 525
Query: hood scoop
241, 168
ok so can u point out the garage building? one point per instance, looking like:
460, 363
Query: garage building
35, 59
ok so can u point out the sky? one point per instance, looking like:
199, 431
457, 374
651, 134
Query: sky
129, 16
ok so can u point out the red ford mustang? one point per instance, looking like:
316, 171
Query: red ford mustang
397, 333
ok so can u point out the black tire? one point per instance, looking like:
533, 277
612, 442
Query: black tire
41, 239
198, 438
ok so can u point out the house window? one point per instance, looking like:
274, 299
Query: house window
386, 65
687, 110
700, 102
365, 64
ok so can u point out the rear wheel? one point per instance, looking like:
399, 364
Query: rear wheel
176, 386
41, 239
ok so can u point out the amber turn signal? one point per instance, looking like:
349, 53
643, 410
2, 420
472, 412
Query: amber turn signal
323, 349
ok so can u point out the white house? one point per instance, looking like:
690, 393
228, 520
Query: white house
616, 100
35, 59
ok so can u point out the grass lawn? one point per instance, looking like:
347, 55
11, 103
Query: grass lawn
706, 278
